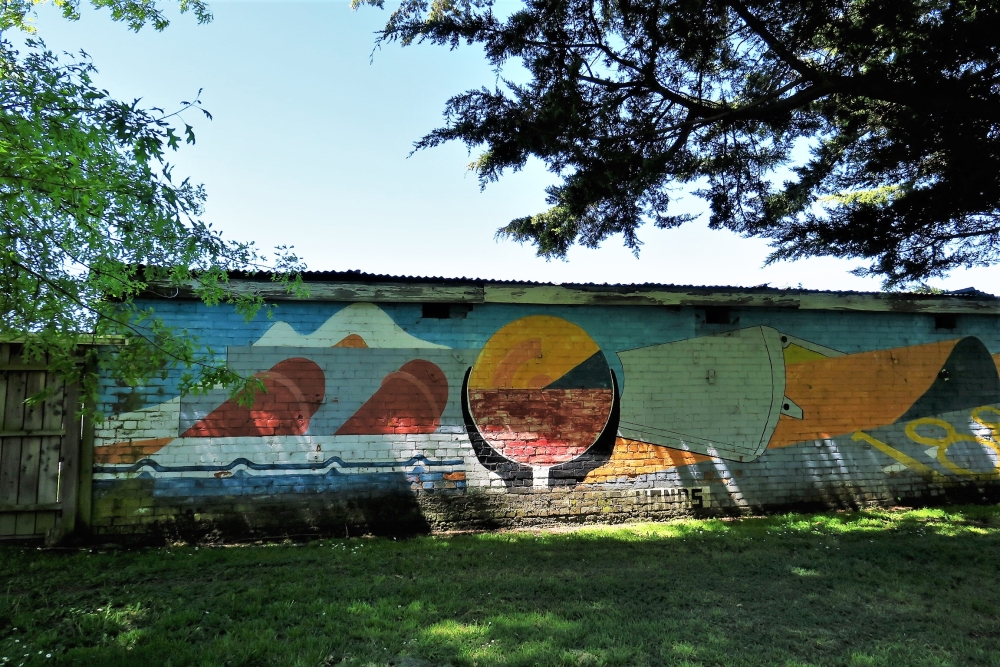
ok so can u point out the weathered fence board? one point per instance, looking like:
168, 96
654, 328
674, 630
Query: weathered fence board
10, 464
27, 491
39, 449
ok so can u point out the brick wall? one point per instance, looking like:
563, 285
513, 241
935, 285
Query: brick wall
377, 418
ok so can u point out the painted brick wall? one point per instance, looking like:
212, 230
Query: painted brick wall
377, 418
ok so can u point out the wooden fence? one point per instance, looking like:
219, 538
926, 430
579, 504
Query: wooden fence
39, 450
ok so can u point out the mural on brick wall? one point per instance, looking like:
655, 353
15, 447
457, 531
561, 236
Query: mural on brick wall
540, 391
320, 425
359, 403
539, 396
824, 394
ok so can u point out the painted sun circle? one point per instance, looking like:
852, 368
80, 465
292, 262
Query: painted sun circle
540, 391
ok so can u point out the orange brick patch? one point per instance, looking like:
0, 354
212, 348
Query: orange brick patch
129, 452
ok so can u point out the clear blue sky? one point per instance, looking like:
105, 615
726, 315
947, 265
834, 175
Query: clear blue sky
309, 148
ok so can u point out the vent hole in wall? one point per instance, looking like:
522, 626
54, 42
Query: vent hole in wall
436, 311
717, 315
445, 311
947, 322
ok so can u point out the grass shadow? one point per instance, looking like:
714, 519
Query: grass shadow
879, 587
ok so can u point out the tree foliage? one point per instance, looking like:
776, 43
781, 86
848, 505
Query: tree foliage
863, 129
92, 217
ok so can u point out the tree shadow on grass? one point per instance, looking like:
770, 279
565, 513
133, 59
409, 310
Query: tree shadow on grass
859, 588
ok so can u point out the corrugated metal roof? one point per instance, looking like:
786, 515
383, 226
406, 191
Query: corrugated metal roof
363, 277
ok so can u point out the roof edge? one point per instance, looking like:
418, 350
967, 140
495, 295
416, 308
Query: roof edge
353, 286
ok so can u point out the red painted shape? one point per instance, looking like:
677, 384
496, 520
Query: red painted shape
541, 426
294, 390
410, 400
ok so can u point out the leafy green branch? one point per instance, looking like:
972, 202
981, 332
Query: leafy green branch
92, 221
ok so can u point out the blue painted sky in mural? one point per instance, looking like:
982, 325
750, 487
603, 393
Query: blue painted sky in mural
310, 140
649, 326
346, 390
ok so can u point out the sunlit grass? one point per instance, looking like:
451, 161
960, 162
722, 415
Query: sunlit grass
881, 587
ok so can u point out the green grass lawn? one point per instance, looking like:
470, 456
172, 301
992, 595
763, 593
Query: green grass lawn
865, 588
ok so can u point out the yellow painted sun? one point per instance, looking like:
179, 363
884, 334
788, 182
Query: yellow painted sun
531, 353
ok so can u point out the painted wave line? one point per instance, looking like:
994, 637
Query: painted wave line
314, 465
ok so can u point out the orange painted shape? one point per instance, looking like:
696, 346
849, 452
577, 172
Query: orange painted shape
996, 360
857, 392
634, 457
129, 452
519, 354
294, 390
410, 400
352, 340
